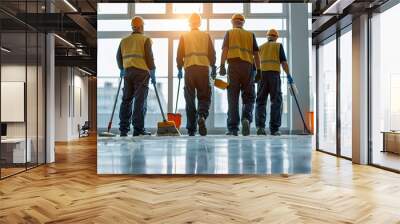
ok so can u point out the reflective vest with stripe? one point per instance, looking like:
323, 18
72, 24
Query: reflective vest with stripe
269, 57
133, 53
240, 44
196, 48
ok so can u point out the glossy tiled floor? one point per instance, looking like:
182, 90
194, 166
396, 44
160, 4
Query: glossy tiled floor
204, 155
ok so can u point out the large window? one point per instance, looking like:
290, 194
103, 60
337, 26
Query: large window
327, 96
385, 87
346, 93
165, 22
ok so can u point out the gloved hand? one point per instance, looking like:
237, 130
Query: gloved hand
122, 73
258, 76
290, 79
222, 70
153, 76
180, 73
213, 71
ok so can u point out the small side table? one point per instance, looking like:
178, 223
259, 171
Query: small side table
391, 141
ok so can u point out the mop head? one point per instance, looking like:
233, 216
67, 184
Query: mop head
107, 134
167, 128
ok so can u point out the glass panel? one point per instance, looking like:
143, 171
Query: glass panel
346, 93
13, 79
150, 25
31, 100
187, 8
266, 7
150, 8
385, 88
160, 53
219, 96
327, 97
112, 8
106, 57
220, 8
250, 24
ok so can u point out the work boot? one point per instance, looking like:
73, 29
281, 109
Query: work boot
202, 126
245, 127
261, 131
123, 134
191, 133
234, 133
275, 133
140, 133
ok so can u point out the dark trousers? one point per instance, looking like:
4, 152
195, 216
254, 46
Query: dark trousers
270, 84
136, 87
240, 81
197, 84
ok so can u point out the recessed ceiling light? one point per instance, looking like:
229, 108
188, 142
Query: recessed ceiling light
5, 50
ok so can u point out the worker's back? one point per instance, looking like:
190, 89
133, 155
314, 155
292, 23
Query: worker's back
196, 48
269, 56
133, 51
240, 44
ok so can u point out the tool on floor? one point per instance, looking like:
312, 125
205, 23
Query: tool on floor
165, 128
108, 133
176, 117
295, 92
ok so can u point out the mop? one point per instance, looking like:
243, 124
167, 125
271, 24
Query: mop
108, 132
165, 128
176, 117
294, 92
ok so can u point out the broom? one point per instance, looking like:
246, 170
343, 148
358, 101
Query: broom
108, 132
165, 128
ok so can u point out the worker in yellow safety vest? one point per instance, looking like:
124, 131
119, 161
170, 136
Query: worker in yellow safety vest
196, 55
272, 56
241, 50
136, 63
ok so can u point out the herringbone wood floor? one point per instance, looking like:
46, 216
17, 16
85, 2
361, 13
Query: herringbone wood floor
70, 191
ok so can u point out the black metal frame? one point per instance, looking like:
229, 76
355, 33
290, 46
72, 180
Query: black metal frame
37, 163
389, 4
337, 35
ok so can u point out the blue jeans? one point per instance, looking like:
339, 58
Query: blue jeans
136, 88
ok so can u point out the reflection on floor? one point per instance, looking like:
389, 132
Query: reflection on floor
204, 155
387, 159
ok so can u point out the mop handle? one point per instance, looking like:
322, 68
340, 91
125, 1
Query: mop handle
298, 106
115, 104
177, 96
159, 102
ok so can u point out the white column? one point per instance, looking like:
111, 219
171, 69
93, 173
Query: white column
50, 99
299, 61
360, 90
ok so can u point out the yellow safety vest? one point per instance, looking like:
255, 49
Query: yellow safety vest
240, 44
133, 53
269, 57
196, 48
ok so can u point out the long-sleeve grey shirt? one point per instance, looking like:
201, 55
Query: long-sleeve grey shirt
148, 54
181, 53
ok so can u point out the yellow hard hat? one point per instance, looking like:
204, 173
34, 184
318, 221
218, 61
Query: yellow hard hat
137, 21
272, 33
195, 20
238, 16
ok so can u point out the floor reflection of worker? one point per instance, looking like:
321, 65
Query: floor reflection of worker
272, 56
241, 50
136, 62
196, 54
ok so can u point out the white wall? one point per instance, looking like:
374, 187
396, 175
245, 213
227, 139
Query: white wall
71, 103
